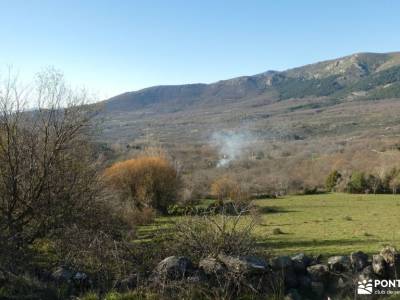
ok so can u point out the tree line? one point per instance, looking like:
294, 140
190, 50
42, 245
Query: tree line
361, 182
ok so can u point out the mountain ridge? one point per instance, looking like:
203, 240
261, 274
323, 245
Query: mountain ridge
319, 79
355, 95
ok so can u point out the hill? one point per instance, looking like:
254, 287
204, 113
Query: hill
363, 72
193, 111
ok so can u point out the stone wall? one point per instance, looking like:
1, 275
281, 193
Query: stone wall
296, 277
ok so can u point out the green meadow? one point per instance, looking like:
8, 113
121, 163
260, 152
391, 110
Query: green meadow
330, 223
324, 224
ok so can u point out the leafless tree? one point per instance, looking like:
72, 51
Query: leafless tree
48, 177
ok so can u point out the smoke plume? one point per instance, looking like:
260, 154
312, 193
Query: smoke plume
231, 145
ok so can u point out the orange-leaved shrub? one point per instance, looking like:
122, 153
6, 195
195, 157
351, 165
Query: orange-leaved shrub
146, 182
226, 188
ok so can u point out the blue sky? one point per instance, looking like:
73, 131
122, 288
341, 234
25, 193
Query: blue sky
116, 46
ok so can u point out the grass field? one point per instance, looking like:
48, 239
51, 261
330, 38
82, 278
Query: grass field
326, 224
330, 223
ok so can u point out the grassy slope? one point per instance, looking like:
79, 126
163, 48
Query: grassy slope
331, 223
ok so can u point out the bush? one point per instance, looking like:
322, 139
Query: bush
357, 183
210, 235
136, 217
226, 188
332, 180
147, 181
215, 236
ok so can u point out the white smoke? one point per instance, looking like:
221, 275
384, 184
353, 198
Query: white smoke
231, 145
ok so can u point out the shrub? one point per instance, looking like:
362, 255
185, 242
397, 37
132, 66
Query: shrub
147, 181
135, 217
222, 187
215, 236
357, 183
332, 180
210, 235
310, 190
98, 254
226, 188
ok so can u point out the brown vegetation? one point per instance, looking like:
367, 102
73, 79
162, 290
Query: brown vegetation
226, 188
146, 182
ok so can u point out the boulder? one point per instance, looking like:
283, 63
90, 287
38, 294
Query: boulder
389, 255
300, 262
366, 274
243, 264
80, 276
339, 263
281, 263
319, 272
283, 267
211, 266
197, 277
173, 268
392, 259
62, 274
358, 260
379, 265
340, 285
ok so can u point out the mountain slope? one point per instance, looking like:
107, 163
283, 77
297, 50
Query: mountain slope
340, 78
312, 101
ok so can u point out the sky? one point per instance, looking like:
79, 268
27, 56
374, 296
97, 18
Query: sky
111, 47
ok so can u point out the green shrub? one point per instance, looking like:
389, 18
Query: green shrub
357, 183
184, 210
332, 180
310, 190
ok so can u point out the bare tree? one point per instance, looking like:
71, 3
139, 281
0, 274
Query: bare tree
47, 176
